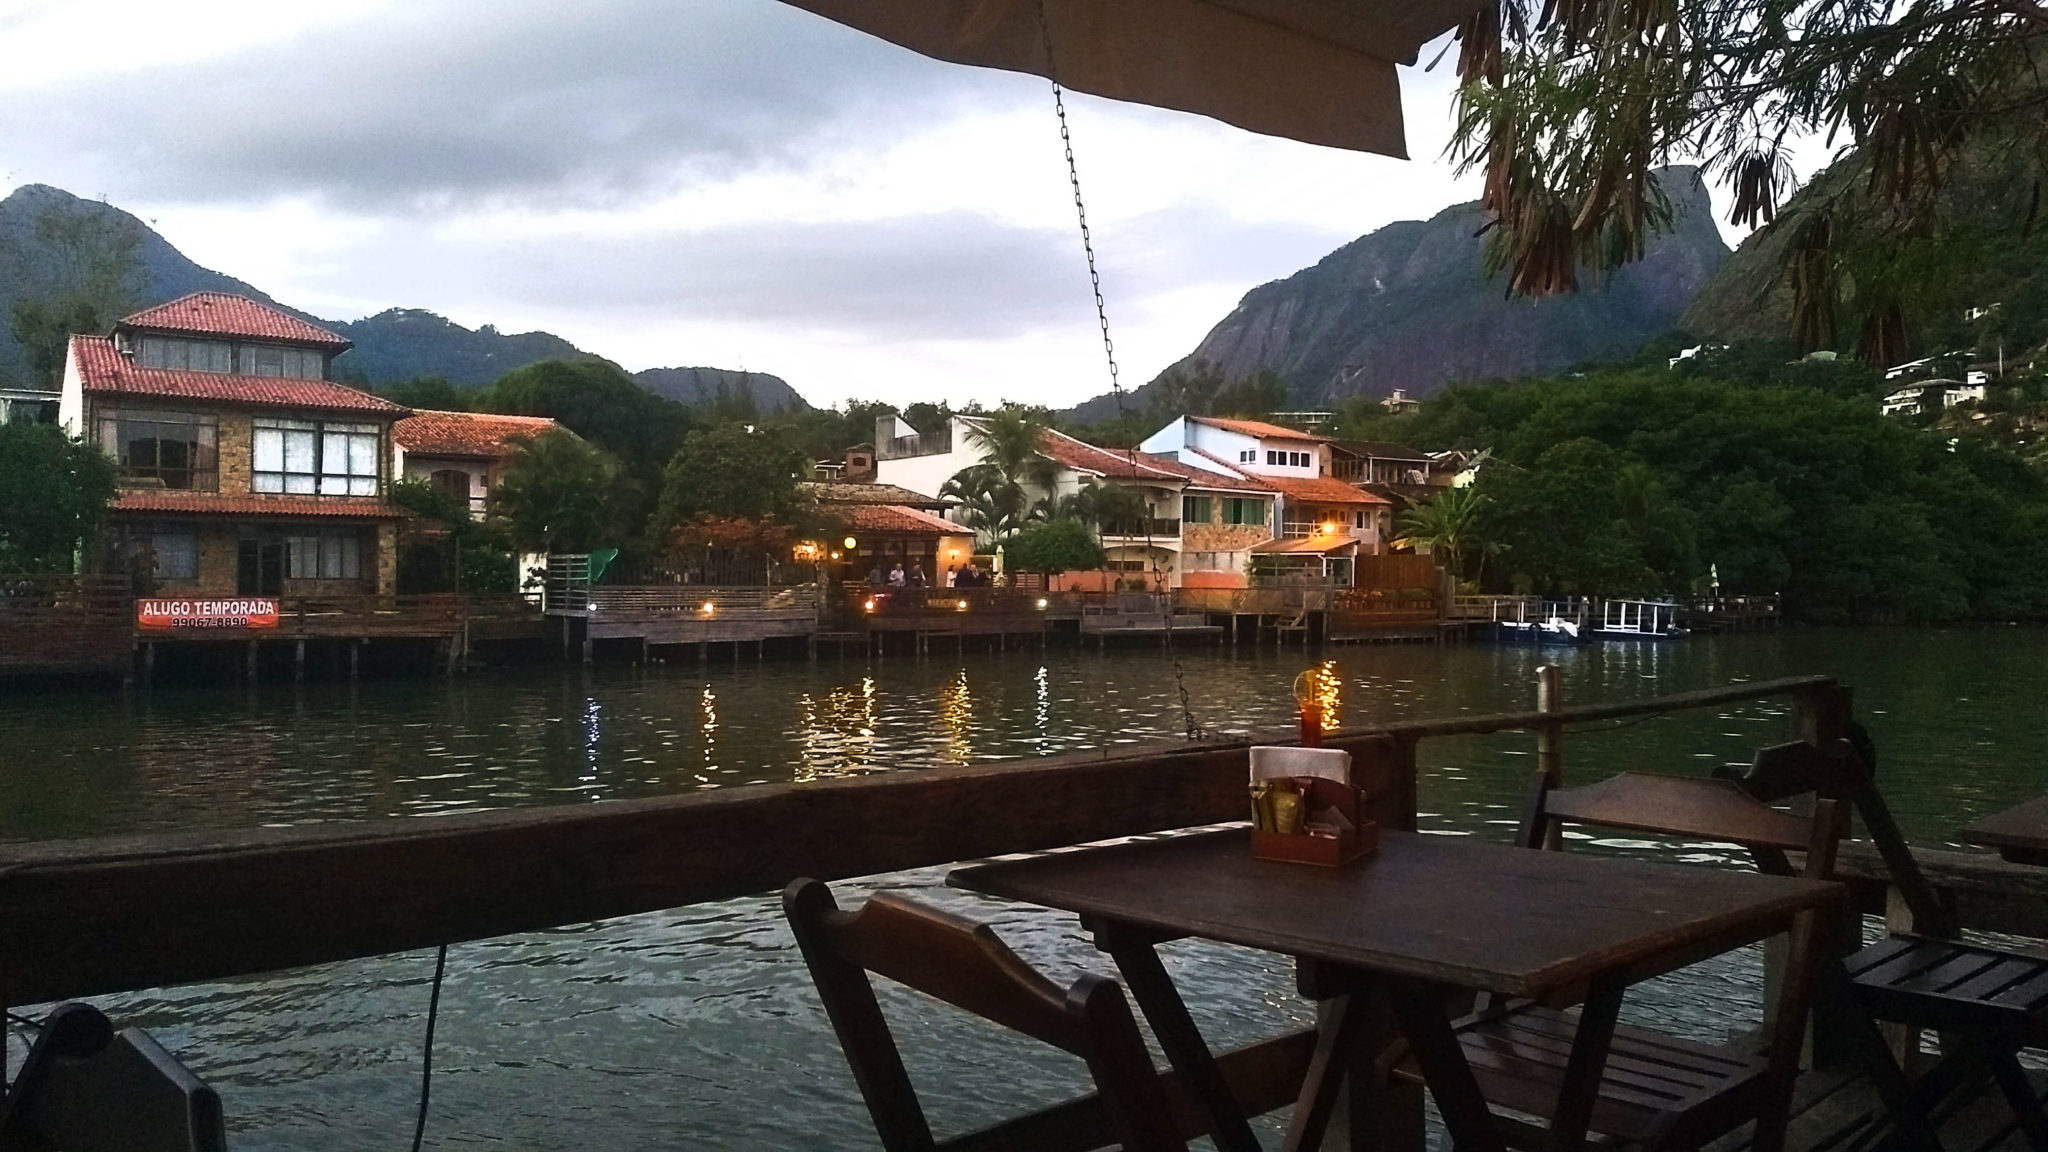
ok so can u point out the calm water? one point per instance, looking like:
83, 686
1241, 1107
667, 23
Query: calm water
696, 1028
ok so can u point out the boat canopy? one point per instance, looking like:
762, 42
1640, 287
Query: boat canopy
1318, 71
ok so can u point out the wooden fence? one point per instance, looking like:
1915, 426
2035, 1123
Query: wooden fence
65, 624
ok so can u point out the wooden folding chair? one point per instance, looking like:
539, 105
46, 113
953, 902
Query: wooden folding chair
1658, 1091
1987, 1003
967, 966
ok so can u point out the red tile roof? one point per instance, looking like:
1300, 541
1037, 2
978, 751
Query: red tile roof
106, 371
843, 492
220, 504
1258, 428
473, 435
1214, 479
225, 314
1112, 464
1322, 490
896, 518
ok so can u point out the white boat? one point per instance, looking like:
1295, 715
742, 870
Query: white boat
1638, 620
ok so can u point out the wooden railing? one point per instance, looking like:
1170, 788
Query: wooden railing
64, 623
707, 601
121, 913
1152, 527
883, 602
1280, 600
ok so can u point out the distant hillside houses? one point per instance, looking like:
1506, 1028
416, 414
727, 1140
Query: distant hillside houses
1224, 500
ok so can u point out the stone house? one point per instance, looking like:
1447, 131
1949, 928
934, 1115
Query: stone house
245, 469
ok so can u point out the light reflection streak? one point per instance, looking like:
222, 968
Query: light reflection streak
838, 735
707, 731
593, 734
956, 714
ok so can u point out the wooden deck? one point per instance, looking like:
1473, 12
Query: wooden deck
1839, 1112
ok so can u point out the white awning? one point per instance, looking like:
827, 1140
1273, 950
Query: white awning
1319, 71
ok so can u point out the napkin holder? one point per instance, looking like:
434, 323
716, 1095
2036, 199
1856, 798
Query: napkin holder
1322, 778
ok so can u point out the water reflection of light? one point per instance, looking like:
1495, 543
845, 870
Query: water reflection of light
956, 711
837, 734
1321, 685
1042, 717
707, 733
593, 731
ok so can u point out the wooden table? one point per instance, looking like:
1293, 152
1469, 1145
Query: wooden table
1424, 916
2020, 833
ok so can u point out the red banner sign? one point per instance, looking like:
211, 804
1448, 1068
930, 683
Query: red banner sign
164, 615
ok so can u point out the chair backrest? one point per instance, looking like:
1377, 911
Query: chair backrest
966, 965
1845, 769
1707, 809
1718, 810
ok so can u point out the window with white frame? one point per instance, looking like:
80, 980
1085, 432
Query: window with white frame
315, 458
329, 555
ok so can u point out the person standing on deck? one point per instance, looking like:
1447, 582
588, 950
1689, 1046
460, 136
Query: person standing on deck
896, 576
917, 576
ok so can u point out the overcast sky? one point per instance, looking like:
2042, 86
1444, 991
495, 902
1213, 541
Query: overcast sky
683, 182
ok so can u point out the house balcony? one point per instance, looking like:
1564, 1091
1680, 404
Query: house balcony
1156, 530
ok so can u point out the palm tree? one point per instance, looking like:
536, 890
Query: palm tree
1010, 439
992, 506
1103, 507
1445, 525
996, 493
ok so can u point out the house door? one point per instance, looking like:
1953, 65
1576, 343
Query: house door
259, 570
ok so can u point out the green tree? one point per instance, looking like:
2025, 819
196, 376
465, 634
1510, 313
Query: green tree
1258, 395
1053, 547
559, 493
992, 506
460, 554
53, 492
1567, 109
1113, 508
429, 392
735, 472
598, 401
1014, 475
96, 278
1446, 526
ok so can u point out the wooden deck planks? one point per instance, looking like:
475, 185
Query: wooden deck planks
1839, 1112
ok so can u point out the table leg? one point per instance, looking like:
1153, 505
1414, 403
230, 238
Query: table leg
1137, 960
1363, 1107
1336, 1035
1419, 1006
1582, 1070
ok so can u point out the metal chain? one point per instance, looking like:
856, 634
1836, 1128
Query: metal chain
1191, 726
1059, 107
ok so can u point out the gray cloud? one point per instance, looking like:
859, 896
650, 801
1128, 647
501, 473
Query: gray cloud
945, 276
522, 101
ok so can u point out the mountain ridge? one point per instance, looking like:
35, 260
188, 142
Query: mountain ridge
392, 346
1409, 306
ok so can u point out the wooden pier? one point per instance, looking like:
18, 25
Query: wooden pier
90, 625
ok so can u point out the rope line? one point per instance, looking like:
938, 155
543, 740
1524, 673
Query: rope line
419, 1128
